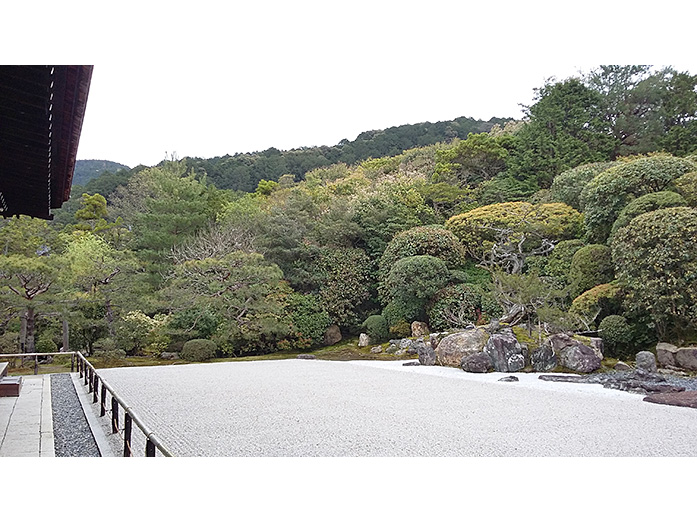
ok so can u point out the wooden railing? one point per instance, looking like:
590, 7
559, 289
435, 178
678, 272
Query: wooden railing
98, 387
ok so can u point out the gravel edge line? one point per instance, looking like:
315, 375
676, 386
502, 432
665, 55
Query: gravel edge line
95, 428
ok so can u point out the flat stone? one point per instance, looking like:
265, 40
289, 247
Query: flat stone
509, 378
665, 353
411, 364
306, 357
687, 398
620, 365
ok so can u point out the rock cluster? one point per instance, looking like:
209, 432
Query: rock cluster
671, 356
638, 381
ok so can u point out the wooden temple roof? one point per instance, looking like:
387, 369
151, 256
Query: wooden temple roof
42, 108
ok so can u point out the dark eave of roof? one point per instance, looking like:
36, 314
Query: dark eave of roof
42, 108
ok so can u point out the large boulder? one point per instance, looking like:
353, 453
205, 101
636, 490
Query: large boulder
686, 357
645, 360
427, 356
543, 358
419, 328
507, 355
665, 353
454, 347
332, 335
478, 362
597, 345
573, 354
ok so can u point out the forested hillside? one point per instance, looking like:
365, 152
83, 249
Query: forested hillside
580, 218
86, 170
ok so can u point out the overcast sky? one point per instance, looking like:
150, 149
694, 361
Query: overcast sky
209, 79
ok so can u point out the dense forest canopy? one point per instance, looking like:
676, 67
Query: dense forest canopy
582, 211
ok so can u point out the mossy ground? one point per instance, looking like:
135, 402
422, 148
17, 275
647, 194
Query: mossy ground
344, 351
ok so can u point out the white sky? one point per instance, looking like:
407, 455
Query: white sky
207, 79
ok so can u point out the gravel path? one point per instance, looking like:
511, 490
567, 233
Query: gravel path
323, 408
73, 437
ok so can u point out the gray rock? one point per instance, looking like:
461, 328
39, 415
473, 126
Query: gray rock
573, 354
419, 328
306, 357
405, 343
411, 364
435, 339
479, 362
686, 357
391, 348
509, 378
427, 356
620, 365
169, 355
543, 358
597, 346
400, 352
415, 347
645, 360
376, 350
363, 340
454, 347
505, 351
332, 335
665, 353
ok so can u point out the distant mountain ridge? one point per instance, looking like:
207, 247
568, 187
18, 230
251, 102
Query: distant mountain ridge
243, 171
85, 170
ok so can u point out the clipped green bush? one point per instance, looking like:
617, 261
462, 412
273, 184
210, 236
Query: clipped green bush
46, 344
608, 193
686, 185
198, 350
567, 186
596, 303
591, 266
399, 311
559, 260
617, 335
376, 327
647, 203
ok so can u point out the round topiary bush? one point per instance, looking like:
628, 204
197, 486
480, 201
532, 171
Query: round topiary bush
198, 350
377, 328
590, 266
46, 344
647, 203
617, 335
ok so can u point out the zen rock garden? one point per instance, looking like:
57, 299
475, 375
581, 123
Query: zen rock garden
497, 348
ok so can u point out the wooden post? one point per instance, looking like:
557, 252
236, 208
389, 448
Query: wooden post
66, 337
127, 421
114, 416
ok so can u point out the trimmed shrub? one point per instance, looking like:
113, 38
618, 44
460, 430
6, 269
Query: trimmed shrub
567, 186
598, 302
608, 193
686, 185
198, 350
616, 334
479, 228
590, 266
308, 321
559, 260
399, 311
416, 278
376, 327
647, 203
46, 344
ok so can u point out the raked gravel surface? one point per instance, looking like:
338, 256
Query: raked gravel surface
374, 408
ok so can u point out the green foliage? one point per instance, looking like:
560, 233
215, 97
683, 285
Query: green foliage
416, 278
617, 335
198, 350
480, 228
565, 129
46, 344
596, 303
686, 185
401, 329
377, 328
433, 241
193, 323
400, 312
559, 260
647, 203
591, 266
656, 261
608, 193
266, 187
86, 170
457, 306
308, 320
469, 162
567, 186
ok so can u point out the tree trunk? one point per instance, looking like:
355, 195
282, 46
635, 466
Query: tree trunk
109, 317
23, 332
31, 325
66, 337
